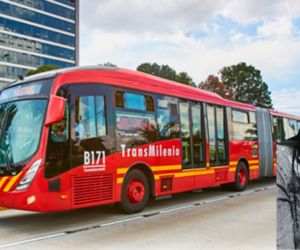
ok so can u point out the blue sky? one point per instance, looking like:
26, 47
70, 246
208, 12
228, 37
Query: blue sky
199, 37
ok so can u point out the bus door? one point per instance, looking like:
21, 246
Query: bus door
278, 131
92, 141
217, 137
58, 147
191, 134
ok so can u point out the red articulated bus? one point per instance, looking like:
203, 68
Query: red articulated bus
284, 126
88, 136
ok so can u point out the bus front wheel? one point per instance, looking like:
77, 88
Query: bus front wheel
135, 192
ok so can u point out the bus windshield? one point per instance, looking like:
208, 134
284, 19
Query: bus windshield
21, 124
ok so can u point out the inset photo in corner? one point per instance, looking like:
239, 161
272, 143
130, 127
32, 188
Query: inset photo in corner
288, 196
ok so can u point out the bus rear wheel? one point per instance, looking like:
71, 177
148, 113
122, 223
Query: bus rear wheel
241, 178
135, 192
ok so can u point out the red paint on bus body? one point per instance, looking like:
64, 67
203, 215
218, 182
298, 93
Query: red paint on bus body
161, 169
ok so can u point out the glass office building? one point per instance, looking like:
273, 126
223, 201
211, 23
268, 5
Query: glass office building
35, 33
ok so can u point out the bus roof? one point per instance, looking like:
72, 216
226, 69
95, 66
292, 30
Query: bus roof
137, 81
280, 114
133, 80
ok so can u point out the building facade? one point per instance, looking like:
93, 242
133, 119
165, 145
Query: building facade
35, 33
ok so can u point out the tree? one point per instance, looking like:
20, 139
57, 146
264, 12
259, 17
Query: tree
213, 84
184, 78
244, 83
165, 71
109, 64
41, 69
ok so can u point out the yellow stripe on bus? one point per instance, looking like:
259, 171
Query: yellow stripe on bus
200, 172
254, 167
165, 168
194, 172
234, 163
217, 167
11, 182
253, 161
120, 180
232, 169
122, 170
154, 168
186, 174
2, 181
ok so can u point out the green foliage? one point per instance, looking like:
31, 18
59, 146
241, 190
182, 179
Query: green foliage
244, 83
184, 78
109, 64
213, 84
41, 69
165, 71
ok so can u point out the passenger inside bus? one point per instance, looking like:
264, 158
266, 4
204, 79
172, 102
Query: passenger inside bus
59, 132
79, 130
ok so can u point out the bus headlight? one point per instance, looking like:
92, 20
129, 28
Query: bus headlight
28, 177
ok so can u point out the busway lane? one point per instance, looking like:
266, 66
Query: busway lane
245, 222
20, 226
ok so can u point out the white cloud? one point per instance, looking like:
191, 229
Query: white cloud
198, 57
245, 11
280, 27
287, 100
157, 16
186, 35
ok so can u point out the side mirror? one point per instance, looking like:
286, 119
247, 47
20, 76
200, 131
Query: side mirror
56, 110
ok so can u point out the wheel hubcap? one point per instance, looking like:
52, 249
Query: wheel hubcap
242, 177
135, 191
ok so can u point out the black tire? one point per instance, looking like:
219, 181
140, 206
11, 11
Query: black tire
238, 185
128, 205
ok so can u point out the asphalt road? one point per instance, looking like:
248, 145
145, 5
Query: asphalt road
212, 219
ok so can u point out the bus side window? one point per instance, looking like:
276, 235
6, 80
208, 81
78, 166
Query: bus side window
185, 132
278, 134
90, 118
290, 128
168, 117
211, 132
293, 125
244, 125
135, 119
197, 135
220, 134
217, 135
252, 126
275, 129
134, 101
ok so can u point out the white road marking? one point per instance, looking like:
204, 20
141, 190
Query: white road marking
165, 211
121, 221
21, 242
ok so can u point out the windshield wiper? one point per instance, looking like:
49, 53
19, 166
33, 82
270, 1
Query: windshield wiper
5, 156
